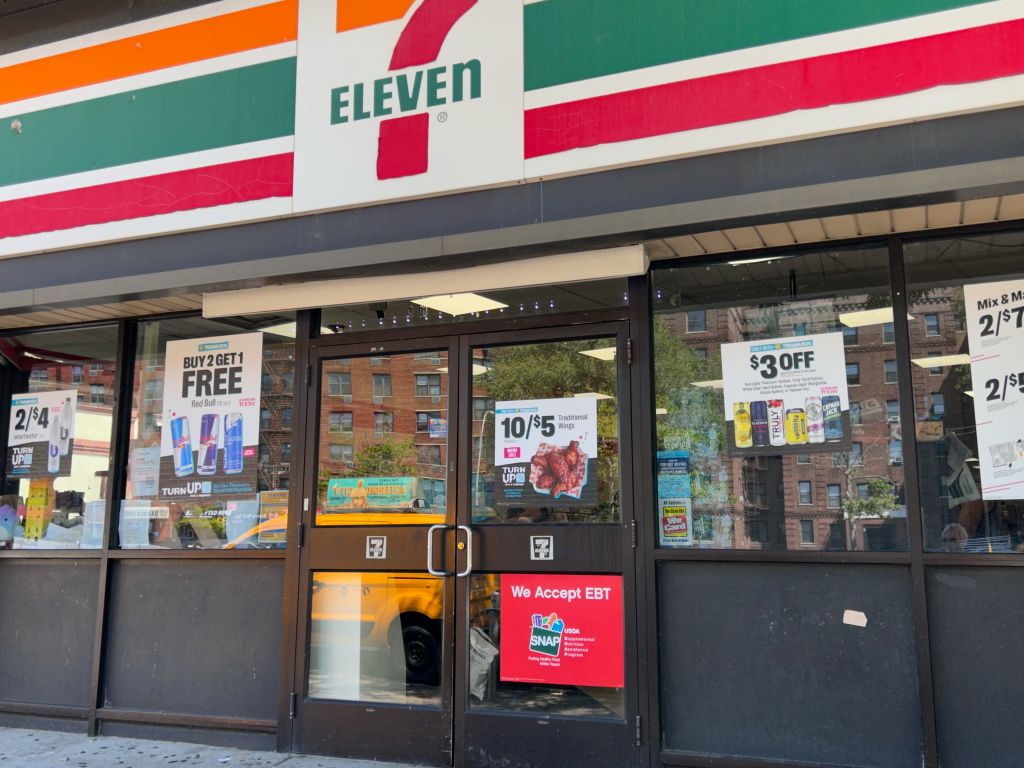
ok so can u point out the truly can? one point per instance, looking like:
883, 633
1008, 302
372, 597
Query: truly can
208, 434
759, 423
815, 420
181, 447
53, 448
233, 443
776, 422
832, 410
796, 426
741, 425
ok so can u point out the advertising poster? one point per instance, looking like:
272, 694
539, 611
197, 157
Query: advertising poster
995, 332
273, 517
562, 630
355, 494
786, 395
675, 507
40, 441
211, 420
545, 451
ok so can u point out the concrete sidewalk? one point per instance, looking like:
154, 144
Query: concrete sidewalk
49, 749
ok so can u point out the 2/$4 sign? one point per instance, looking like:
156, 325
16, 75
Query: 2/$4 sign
410, 106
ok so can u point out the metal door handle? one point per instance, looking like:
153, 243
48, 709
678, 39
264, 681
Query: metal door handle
469, 550
430, 551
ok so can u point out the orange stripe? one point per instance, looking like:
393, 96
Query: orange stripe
196, 41
353, 14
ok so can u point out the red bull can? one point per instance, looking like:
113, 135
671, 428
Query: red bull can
233, 437
208, 434
181, 447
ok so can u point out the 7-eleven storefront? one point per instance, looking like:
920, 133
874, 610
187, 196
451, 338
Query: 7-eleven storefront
496, 383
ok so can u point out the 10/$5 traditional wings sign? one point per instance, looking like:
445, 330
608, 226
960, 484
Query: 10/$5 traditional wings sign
247, 109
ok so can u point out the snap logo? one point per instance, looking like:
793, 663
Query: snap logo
403, 141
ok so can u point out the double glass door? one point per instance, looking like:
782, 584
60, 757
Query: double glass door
466, 580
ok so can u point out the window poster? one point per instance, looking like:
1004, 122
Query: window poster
786, 395
995, 333
357, 494
562, 630
675, 506
211, 419
40, 439
273, 518
545, 452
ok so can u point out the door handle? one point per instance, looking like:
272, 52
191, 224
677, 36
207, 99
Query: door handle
469, 550
430, 551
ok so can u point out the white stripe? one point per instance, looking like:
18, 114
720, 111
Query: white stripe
147, 79
842, 118
178, 18
201, 218
149, 168
748, 58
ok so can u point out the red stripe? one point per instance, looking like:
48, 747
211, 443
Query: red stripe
236, 182
965, 56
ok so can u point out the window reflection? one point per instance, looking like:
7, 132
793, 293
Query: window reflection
847, 496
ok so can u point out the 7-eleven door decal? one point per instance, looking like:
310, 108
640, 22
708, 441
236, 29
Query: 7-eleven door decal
401, 98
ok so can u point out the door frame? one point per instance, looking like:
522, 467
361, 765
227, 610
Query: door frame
309, 340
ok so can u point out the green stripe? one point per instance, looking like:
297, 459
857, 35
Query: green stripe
571, 40
218, 110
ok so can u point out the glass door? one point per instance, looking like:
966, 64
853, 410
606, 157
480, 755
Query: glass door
374, 647
546, 669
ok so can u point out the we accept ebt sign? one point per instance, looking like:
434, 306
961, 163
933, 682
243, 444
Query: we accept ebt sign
559, 629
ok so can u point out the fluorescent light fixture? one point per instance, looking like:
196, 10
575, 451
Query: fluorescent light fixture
661, 411
478, 370
623, 261
744, 262
712, 384
459, 303
288, 330
941, 361
595, 395
604, 353
866, 317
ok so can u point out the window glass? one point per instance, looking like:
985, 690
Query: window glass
198, 476
58, 450
964, 299
759, 316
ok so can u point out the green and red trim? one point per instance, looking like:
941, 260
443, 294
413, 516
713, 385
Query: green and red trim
236, 182
954, 58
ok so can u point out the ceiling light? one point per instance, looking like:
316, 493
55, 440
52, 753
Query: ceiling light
478, 370
459, 303
660, 411
288, 330
765, 259
713, 384
603, 353
595, 395
866, 317
941, 361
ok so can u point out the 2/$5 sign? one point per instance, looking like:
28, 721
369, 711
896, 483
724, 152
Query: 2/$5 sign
407, 92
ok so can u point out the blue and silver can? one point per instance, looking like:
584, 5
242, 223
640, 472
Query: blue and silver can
208, 435
233, 443
832, 410
181, 447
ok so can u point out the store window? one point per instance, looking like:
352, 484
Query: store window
770, 405
57, 459
966, 298
209, 459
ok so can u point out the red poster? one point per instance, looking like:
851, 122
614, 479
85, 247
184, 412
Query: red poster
560, 629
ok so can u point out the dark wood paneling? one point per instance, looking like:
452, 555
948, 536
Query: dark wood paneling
48, 616
192, 735
199, 638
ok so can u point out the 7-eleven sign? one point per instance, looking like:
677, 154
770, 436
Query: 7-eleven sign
402, 98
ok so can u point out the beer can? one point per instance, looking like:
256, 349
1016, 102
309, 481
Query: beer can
832, 410
759, 423
741, 425
796, 426
776, 422
208, 435
181, 447
815, 420
233, 443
